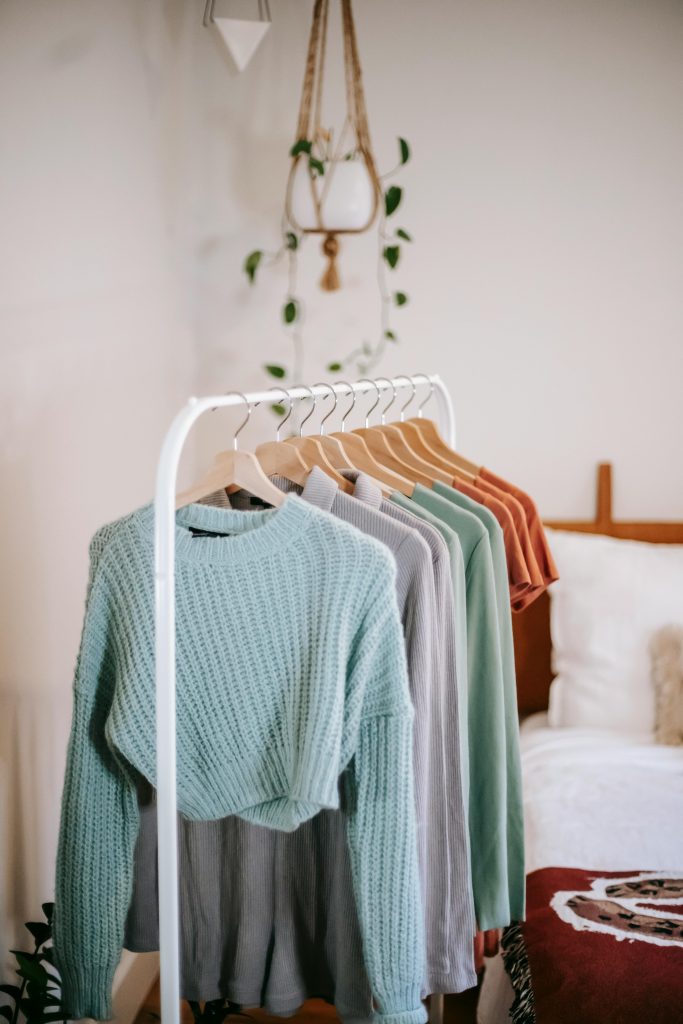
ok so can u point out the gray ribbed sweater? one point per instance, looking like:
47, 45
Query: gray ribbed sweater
451, 640
271, 919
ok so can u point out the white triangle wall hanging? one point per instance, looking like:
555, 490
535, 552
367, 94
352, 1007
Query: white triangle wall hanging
241, 37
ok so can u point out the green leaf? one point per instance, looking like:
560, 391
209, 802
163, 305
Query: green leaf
391, 255
39, 930
392, 198
292, 241
13, 991
316, 165
251, 263
48, 910
402, 233
404, 149
278, 409
290, 312
30, 967
275, 371
390, 335
7, 1013
40, 994
302, 146
334, 367
400, 298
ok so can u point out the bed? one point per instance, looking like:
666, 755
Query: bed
603, 940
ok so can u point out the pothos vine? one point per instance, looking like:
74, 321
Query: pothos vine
365, 356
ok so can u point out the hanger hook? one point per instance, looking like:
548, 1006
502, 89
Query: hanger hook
308, 416
404, 376
366, 380
244, 421
288, 398
386, 408
352, 393
324, 384
429, 381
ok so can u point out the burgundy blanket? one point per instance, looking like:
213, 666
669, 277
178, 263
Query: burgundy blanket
598, 948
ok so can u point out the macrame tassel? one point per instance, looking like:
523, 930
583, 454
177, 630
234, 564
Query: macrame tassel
330, 279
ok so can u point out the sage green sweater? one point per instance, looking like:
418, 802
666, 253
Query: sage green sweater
515, 813
290, 671
485, 709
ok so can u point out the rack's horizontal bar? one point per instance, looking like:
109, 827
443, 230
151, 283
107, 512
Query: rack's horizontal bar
317, 390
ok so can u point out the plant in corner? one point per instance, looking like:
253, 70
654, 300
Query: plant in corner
38, 997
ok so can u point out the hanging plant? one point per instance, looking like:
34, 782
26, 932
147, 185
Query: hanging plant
334, 189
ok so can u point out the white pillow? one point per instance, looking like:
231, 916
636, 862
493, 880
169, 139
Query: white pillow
611, 596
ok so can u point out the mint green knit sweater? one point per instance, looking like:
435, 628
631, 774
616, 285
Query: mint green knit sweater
290, 671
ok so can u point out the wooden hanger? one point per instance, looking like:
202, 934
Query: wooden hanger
433, 442
279, 459
423, 436
237, 470
424, 463
330, 445
363, 459
313, 454
391, 449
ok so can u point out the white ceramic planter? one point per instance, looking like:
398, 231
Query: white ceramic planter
347, 195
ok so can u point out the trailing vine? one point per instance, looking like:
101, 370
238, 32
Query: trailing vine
366, 356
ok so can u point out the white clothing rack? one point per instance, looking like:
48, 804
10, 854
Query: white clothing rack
165, 646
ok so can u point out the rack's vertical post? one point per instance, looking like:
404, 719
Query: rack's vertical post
165, 673
447, 415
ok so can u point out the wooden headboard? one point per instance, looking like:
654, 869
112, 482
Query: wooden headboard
532, 627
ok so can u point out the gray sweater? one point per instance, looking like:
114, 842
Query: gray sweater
269, 918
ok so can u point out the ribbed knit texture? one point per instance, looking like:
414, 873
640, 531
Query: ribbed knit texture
443, 837
486, 711
314, 945
278, 694
449, 667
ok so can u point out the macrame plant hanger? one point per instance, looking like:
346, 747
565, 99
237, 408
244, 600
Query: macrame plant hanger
354, 134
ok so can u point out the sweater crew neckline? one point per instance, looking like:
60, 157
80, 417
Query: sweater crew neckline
249, 535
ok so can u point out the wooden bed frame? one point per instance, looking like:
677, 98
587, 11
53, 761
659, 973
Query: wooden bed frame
532, 626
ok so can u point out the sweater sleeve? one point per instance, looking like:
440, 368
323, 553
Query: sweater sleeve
381, 821
98, 826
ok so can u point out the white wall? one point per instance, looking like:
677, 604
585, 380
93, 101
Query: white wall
96, 356
545, 198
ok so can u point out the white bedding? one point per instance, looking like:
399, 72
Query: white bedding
600, 799
593, 799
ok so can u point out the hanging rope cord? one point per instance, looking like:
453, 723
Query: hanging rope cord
355, 93
315, 62
310, 126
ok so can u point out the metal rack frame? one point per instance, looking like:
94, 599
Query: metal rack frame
165, 648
